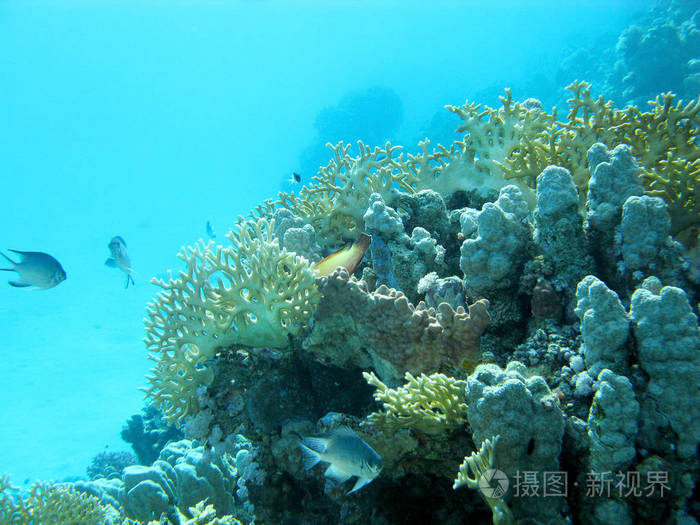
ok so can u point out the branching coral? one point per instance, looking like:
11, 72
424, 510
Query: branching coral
492, 135
481, 465
202, 514
523, 142
206, 515
46, 503
664, 141
337, 199
430, 404
249, 293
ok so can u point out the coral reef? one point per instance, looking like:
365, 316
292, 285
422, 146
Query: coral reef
148, 433
110, 464
511, 302
584, 373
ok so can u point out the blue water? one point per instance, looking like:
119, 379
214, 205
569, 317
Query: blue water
146, 119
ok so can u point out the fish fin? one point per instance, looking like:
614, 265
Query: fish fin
311, 457
7, 270
129, 278
6, 257
111, 262
18, 284
361, 482
336, 475
344, 430
317, 444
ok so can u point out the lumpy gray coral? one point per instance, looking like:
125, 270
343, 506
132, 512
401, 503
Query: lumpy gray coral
518, 407
558, 232
645, 229
604, 325
614, 178
495, 242
612, 423
668, 343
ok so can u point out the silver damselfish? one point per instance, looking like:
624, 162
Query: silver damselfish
346, 453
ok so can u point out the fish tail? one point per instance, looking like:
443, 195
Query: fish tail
311, 457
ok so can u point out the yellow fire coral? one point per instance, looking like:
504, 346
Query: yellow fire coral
337, 199
431, 404
664, 141
492, 135
46, 503
489, 481
202, 514
250, 293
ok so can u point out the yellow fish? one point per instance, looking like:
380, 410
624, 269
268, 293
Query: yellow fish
349, 257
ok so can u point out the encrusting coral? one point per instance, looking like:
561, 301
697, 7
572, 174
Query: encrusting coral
383, 330
430, 404
250, 293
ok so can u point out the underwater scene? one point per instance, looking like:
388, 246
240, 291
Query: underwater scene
383, 263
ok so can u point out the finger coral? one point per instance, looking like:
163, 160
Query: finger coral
250, 293
431, 404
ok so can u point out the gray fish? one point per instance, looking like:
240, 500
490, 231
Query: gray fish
35, 269
120, 258
347, 454
210, 231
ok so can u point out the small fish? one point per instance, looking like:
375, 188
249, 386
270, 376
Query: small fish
35, 269
348, 257
210, 231
347, 455
295, 178
120, 258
